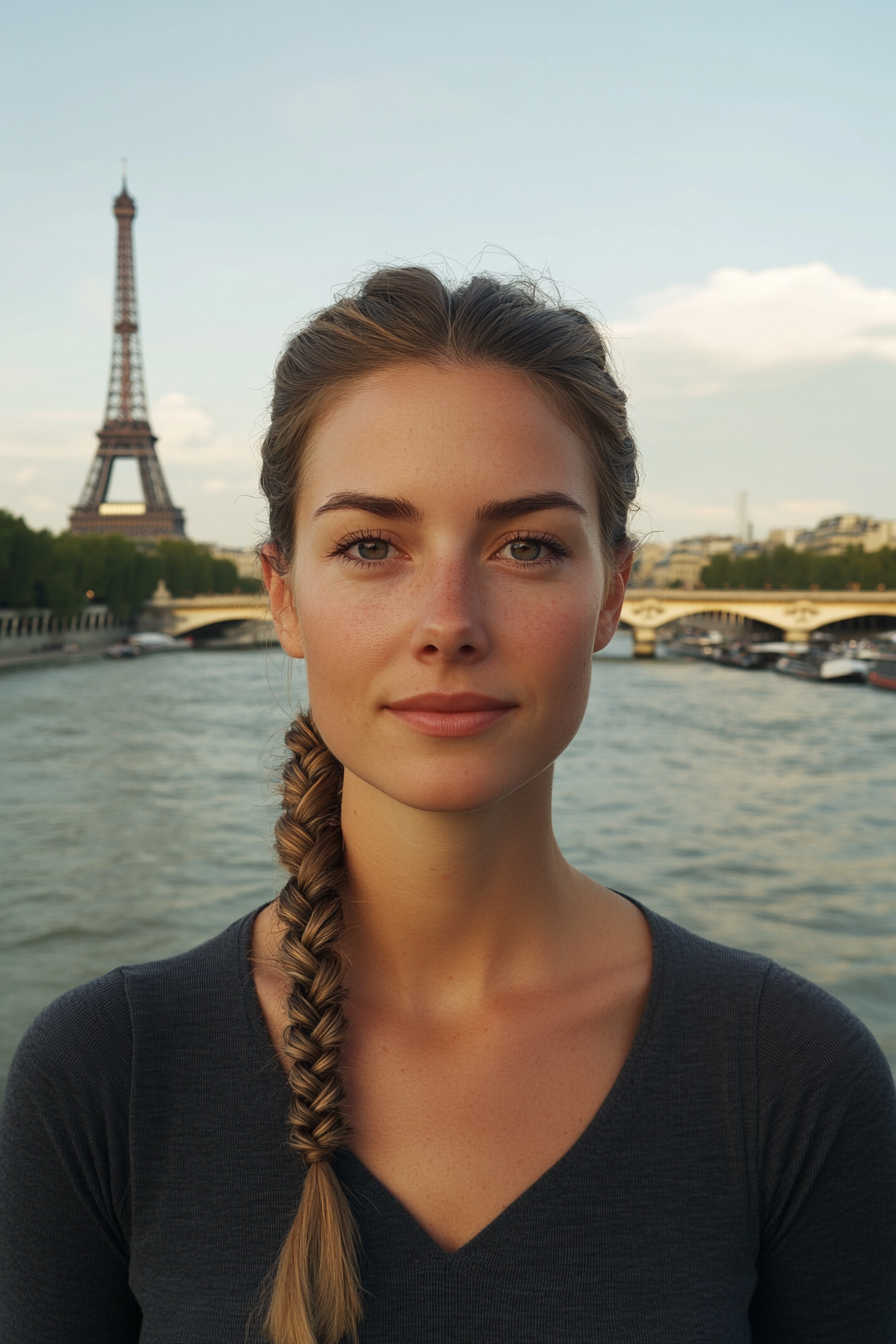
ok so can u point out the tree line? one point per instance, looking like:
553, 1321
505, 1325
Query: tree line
786, 568
65, 573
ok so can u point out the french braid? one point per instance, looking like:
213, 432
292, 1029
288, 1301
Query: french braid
316, 1296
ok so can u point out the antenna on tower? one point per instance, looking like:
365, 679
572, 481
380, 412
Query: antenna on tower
124, 174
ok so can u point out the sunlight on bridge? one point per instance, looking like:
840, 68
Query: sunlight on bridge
795, 614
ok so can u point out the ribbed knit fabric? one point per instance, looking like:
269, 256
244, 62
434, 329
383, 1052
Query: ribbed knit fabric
738, 1183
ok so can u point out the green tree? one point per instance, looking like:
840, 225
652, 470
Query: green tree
786, 568
189, 569
66, 572
111, 567
25, 563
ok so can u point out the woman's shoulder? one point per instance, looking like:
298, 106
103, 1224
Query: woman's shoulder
798, 1034
85, 1038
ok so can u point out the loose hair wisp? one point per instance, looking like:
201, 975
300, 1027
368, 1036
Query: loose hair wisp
396, 315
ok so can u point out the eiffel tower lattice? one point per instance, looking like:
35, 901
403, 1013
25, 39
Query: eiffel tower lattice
126, 432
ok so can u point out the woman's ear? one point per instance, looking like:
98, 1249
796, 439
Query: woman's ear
608, 619
283, 610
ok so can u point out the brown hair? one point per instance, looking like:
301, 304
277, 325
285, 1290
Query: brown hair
396, 315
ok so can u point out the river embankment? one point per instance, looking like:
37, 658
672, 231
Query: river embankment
35, 637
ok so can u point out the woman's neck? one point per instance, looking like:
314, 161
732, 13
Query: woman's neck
443, 908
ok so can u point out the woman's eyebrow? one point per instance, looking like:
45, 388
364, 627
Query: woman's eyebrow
382, 506
498, 510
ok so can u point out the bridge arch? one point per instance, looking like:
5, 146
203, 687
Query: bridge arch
794, 614
187, 615
188, 623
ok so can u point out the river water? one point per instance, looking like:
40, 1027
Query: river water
136, 809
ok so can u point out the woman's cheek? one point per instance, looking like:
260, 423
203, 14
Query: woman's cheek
348, 642
559, 656
559, 633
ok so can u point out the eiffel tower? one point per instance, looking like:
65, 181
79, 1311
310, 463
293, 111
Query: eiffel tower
126, 432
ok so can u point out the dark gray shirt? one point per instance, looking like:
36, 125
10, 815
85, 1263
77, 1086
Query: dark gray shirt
738, 1183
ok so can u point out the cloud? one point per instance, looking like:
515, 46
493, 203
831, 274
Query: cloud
689, 340
188, 433
181, 421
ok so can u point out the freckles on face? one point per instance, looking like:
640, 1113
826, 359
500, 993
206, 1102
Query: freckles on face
447, 582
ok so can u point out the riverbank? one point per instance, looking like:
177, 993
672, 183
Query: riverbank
53, 657
33, 638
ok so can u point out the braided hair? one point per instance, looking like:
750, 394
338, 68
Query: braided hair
316, 1297
395, 315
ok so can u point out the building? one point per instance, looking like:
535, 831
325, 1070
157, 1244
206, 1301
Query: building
832, 536
684, 560
647, 556
783, 536
680, 564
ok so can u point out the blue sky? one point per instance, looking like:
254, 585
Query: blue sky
715, 181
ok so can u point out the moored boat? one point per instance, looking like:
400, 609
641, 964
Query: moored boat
823, 667
147, 641
883, 680
738, 655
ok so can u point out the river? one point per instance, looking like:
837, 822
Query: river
136, 809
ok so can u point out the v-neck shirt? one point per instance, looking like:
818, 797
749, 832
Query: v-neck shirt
737, 1184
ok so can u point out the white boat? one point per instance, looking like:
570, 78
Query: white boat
153, 641
147, 641
824, 668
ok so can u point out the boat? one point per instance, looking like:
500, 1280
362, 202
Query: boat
883, 680
773, 649
153, 641
147, 641
824, 667
692, 645
738, 655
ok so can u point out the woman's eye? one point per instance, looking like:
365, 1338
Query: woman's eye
372, 549
526, 549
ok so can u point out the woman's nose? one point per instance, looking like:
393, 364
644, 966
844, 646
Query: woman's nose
451, 622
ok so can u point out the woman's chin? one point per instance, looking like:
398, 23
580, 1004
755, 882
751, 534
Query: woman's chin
444, 791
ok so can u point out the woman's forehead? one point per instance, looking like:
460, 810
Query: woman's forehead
420, 427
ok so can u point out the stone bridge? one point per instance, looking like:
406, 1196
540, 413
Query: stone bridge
795, 614
184, 615
645, 610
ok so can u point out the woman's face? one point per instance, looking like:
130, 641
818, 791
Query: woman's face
448, 587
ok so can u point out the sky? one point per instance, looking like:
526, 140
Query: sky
713, 182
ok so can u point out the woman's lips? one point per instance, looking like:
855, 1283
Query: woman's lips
460, 715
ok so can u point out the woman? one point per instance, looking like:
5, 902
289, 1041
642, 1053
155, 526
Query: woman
521, 1107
